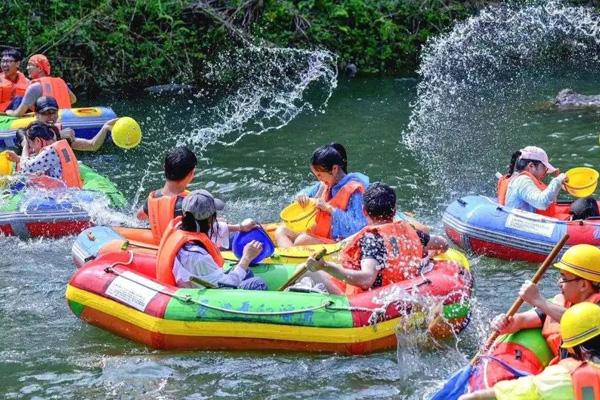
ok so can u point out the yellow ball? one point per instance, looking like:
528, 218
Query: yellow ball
126, 133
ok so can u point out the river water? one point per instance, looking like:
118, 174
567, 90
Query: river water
45, 352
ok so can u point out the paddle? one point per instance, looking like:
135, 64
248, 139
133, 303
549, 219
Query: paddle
202, 282
457, 384
302, 269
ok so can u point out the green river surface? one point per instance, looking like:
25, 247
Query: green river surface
46, 352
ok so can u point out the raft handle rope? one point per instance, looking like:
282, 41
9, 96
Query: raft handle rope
377, 313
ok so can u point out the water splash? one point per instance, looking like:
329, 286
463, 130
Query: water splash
478, 77
272, 86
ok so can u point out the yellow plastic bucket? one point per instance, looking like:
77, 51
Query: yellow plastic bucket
582, 181
298, 218
6, 166
126, 133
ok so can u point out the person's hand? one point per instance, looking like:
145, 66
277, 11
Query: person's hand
314, 265
10, 113
68, 134
303, 200
247, 225
503, 324
530, 293
251, 250
12, 156
110, 123
324, 206
556, 172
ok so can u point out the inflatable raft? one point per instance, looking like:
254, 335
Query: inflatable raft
480, 225
86, 122
118, 292
521, 353
55, 213
101, 239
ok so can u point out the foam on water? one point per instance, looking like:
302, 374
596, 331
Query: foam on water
476, 77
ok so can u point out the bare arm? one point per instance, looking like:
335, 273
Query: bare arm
32, 93
72, 97
141, 214
96, 142
485, 394
530, 293
525, 320
363, 278
19, 112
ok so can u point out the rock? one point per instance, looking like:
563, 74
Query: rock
568, 98
171, 88
351, 70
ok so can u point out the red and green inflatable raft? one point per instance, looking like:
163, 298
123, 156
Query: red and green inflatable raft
118, 292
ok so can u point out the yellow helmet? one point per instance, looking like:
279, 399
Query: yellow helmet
579, 324
582, 260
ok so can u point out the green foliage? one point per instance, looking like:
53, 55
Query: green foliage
378, 35
108, 43
101, 44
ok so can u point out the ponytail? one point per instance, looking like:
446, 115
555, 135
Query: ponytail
191, 224
342, 150
513, 161
188, 223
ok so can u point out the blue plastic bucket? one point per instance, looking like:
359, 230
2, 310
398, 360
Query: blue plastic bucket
241, 239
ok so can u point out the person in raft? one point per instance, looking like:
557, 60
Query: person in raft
42, 84
384, 252
574, 378
42, 156
187, 249
522, 186
339, 200
579, 281
164, 204
12, 81
46, 112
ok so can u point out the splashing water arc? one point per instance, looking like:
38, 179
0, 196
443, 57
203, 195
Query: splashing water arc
271, 89
475, 77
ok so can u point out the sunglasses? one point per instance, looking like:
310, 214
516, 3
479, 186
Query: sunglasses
562, 280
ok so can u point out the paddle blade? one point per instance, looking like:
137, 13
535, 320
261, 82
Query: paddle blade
456, 385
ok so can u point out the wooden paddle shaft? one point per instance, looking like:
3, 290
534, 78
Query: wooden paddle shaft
302, 269
519, 301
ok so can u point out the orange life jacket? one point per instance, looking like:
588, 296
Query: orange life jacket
68, 164
172, 241
322, 227
551, 328
20, 85
69, 169
502, 189
6, 90
161, 210
403, 251
57, 88
585, 377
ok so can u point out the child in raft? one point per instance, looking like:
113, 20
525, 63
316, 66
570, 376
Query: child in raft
383, 252
339, 200
522, 186
164, 204
192, 254
44, 157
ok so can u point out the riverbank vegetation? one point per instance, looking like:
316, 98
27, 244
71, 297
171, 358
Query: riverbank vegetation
128, 43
